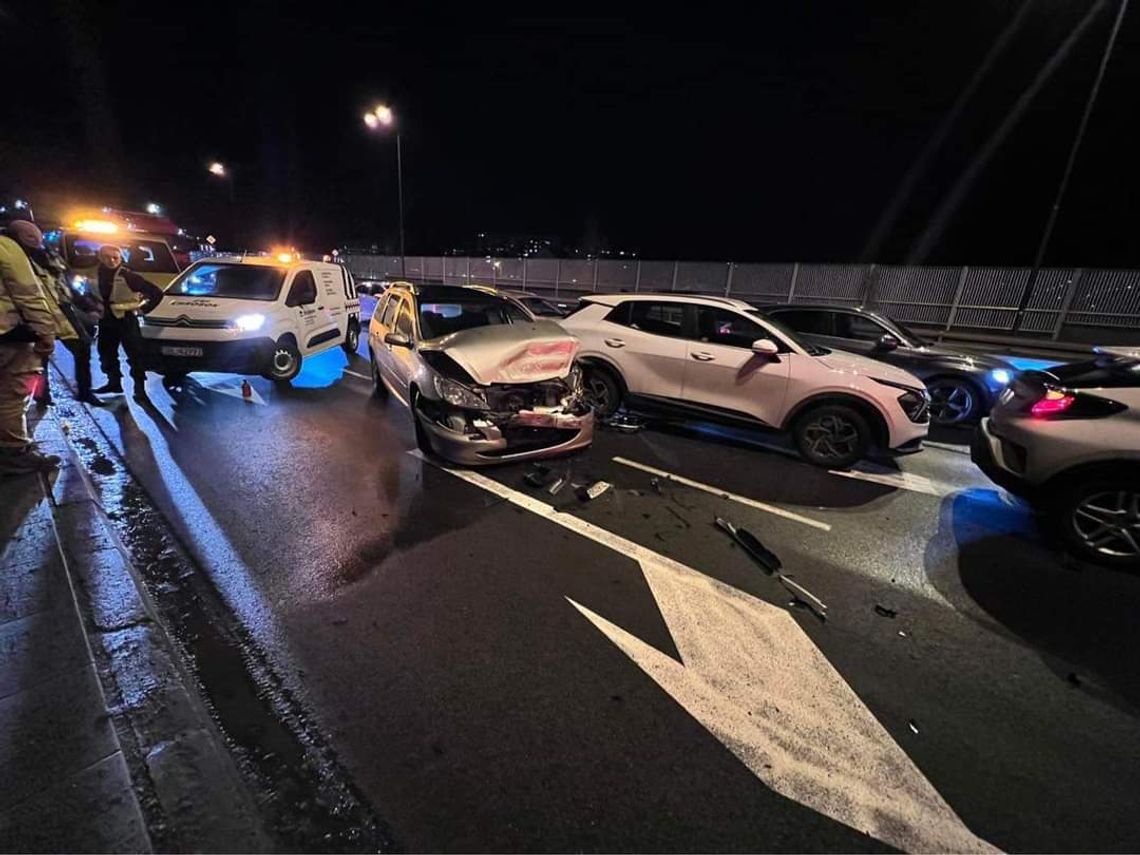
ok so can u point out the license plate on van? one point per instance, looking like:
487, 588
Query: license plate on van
171, 350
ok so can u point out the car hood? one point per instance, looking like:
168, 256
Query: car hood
510, 353
172, 307
852, 363
979, 361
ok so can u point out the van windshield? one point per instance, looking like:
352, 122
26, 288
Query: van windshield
233, 281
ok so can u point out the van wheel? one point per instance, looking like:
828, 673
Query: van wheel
379, 390
352, 338
832, 435
286, 362
601, 390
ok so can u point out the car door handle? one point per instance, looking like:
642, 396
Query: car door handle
703, 357
614, 342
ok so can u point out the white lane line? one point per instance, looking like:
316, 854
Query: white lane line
356, 374
900, 481
754, 679
945, 446
717, 491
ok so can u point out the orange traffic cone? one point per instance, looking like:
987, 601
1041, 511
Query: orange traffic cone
246, 390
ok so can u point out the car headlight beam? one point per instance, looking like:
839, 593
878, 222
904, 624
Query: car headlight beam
249, 323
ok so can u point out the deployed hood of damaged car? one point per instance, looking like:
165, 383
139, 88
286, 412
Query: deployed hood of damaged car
510, 353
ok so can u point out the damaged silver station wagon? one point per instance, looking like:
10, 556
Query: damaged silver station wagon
485, 381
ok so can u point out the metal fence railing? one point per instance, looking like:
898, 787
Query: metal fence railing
950, 298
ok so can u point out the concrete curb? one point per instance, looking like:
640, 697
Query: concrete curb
191, 792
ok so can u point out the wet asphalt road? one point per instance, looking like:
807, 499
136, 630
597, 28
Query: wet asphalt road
423, 623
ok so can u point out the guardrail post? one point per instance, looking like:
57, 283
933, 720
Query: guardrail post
957, 297
1067, 302
637, 277
792, 285
557, 275
676, 264
870, 282
595, 275
728, 279
467, 270
524, 272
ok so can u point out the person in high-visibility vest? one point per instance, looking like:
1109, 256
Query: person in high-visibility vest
124, 294
27, 334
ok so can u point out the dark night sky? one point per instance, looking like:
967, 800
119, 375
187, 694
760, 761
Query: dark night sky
777, 136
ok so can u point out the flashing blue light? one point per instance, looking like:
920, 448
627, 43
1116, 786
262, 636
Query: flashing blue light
1024, 363
1001, 376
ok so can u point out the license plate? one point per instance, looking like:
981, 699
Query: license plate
170, 350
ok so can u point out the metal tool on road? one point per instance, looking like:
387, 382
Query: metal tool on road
804, 596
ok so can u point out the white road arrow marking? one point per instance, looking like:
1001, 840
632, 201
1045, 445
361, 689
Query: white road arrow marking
755, 680
233, 388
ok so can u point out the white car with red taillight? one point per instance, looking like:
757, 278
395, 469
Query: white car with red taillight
1068, 441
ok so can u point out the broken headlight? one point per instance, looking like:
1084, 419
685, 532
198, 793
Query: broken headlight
459, 395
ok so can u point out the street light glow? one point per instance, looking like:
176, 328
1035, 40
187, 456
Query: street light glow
384, 114
371, 121
153, 208
218, 169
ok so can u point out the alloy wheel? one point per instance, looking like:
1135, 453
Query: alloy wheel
597, 393
831, 437
1108, 523
951, 401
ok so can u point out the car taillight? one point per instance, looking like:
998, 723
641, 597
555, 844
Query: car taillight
1054, 402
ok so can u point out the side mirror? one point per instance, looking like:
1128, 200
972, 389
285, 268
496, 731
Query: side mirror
886, 342
397, 339
765, 347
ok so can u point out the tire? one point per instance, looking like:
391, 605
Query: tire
286, 362
351, 341
601, 390
832, 435
423, 441
1099, 519
379, 390
954, 401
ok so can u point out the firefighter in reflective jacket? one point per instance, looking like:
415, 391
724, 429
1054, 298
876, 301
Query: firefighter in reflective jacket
27, 334
124, 294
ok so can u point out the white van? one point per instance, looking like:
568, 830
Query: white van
250, 316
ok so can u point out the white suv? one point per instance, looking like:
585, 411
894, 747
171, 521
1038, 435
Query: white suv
718, 359
1068, 441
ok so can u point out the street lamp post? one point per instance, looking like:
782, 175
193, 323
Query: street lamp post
375, 120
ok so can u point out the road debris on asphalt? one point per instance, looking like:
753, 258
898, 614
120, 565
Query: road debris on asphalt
623, 422
913, 724
804, 595
883, 611
656, 485
594, 490
770, 563
1073, 680
537, 475
762, 555
559, 483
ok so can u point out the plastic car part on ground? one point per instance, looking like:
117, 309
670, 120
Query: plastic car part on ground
772, 565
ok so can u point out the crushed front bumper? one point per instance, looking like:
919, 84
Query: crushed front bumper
527, 435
